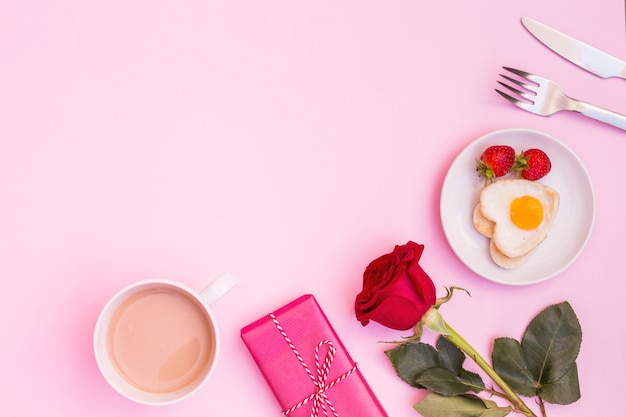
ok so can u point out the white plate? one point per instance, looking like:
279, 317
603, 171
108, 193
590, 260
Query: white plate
570, 231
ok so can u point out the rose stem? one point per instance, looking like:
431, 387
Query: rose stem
462, 344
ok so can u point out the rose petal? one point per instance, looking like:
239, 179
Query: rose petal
396, 313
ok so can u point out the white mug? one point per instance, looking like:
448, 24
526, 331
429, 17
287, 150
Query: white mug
156, 342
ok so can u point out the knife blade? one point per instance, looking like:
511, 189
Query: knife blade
585, 56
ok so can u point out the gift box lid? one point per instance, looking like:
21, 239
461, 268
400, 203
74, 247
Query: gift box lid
294, 346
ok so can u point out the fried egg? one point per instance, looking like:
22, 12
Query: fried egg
522, 213
485, 227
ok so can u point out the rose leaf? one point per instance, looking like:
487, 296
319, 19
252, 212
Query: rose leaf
472, 379
551, 343
411, 359
442, 381
564, 391
509, 361
452, 358
435, 405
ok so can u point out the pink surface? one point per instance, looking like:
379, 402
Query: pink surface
290, 143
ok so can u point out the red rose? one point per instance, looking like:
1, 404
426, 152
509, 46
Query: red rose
396, 290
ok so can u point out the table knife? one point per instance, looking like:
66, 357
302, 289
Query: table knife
585, 56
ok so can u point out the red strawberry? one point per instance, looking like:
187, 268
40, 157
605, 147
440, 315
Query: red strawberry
532, 164
495, 161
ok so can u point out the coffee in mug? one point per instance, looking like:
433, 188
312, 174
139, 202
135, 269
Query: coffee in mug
156, 342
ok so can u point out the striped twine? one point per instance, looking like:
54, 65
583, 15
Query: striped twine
319, 397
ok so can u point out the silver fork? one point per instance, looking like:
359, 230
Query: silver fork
544, 97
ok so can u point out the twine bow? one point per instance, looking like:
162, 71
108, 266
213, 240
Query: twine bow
319, 397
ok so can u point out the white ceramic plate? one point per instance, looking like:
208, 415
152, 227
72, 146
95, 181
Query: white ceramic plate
570, 231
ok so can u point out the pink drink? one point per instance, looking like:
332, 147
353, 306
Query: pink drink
161, 340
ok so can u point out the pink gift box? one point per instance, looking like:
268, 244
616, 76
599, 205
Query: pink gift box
306, 365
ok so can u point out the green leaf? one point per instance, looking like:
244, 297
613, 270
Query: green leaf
551, 343
509, 361
435, 405
472, 379
411, 359
450, 355
564, 391
442, 381
421, 366
489, 403
452, 358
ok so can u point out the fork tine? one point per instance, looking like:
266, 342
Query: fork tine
512, 99
513, 89
527, 94
517, 82
525, 75
521, 73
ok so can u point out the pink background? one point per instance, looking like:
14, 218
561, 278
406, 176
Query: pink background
289, 143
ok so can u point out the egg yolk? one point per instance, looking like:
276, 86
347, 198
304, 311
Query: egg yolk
526, 212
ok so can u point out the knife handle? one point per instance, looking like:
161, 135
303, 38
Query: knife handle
601, 114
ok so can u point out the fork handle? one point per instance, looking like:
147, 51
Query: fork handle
601, 114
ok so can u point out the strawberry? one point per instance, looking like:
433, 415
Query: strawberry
532, 164
495, 161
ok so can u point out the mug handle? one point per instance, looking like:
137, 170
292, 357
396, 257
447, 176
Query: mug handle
217, 288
